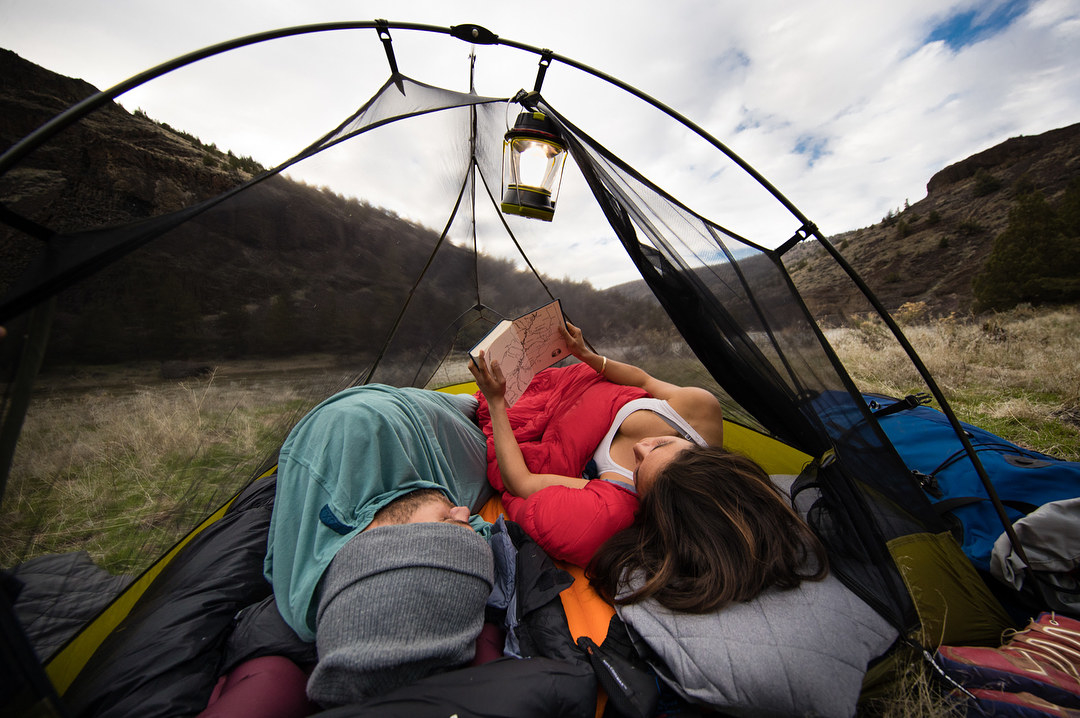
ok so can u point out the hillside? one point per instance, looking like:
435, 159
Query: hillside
281, 268
930, 250
226, 283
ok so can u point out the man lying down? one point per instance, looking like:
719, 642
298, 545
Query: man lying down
372, 552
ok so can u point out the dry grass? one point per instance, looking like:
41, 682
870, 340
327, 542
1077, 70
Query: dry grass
1016, 374
913, 692
124, 472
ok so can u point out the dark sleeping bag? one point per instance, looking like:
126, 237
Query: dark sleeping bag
58, 594
164, 657
505, 688
195, 622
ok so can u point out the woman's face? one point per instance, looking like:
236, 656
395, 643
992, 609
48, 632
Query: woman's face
651, 455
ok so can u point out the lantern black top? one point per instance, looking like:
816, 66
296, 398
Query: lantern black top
535, 125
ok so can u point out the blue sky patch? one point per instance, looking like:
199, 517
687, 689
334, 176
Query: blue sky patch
811, 147
965, 28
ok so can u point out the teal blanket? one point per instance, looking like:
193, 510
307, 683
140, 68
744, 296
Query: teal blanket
349, 457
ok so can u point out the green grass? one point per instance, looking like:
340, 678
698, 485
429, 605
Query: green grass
1016, 374
124, 473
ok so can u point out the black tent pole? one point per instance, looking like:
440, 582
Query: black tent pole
33, 351
943, 403
478, 35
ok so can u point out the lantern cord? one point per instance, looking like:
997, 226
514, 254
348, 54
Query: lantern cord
383, 28
545, 62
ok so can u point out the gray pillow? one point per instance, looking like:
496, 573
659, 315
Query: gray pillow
802, 651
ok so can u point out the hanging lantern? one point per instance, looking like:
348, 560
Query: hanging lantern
533, 158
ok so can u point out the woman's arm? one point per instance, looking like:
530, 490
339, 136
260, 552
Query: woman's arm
698, 406
615, 371
516, 476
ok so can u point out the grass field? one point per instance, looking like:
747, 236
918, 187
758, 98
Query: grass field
1016, 374
119, 463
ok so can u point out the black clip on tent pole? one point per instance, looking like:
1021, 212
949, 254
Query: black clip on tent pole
545, 62
383, 28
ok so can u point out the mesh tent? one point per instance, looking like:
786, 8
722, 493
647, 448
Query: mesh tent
246, 264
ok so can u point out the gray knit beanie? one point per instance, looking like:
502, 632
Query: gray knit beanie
398, 603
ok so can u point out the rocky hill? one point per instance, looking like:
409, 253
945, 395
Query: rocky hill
228, 282
930, 250
226, 279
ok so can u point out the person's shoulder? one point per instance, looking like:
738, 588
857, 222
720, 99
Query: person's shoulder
702, 409
694, 397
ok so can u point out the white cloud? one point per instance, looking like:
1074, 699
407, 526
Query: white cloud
839, 104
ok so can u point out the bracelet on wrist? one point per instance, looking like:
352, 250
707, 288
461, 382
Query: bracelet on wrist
603, 366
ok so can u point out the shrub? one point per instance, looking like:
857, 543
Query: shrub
911, 312
985, 183
970, 227
1024, 185
1037, 258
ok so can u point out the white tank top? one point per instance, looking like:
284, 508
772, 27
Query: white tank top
602, 455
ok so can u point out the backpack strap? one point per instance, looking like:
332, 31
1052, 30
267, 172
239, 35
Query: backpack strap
947, 505
908, 402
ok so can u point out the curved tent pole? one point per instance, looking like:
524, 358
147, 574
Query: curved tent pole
79, 110
808, 229
943, 403
479, 35
468, 33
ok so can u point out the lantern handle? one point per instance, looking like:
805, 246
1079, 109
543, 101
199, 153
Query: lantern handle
518, 99
383, 28
526, 98
506, 113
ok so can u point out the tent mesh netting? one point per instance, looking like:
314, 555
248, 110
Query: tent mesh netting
224, 307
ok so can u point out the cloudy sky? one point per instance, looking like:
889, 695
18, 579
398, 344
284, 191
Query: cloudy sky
846, 106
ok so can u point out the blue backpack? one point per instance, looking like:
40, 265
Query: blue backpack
1023, 479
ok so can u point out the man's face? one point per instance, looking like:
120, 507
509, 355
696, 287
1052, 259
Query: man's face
436, 509
441, 512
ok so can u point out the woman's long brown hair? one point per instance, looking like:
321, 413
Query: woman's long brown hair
711, 530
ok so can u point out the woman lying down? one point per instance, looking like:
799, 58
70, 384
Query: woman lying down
706, 527
700, 551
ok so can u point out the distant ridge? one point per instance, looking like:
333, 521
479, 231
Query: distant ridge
929, 251
225, 282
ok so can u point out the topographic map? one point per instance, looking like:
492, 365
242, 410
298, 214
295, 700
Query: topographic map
525, 346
